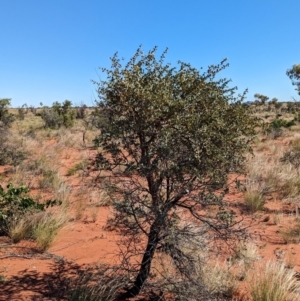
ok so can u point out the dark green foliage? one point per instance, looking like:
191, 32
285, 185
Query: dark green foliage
260, 99
280, 123
59, 115
274, 128
169, 138
14, 203
273, 101
6, 118
9, 152
294, 75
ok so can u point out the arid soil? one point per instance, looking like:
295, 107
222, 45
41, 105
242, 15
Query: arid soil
28, 274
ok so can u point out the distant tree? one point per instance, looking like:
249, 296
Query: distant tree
60, 114
169, 138
6, 118
274, 100
294, 75
32, 109
278, 106
22, 111
81, 111
261, 99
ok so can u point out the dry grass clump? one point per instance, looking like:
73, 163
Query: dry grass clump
246, 253
65, 139
42, 227
254, 200
80, 208
295, 144
103, 284
219, 279
291, 186
80, 166
46, 228
274, 283
269, 172
291, 232
63, 193
102, 198
29, 124
264, 173
20, 229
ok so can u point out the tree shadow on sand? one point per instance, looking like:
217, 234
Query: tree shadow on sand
64, 281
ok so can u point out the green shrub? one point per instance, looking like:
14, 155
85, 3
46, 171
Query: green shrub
14, 203
274, 129
59, 115
9, 153
6, 118
51, 118
280, 123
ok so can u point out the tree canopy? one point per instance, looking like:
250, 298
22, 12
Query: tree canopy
170, 136
6, 118
294, 75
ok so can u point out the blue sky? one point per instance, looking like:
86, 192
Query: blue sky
51, 50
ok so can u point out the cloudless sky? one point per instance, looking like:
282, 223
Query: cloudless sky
51, 50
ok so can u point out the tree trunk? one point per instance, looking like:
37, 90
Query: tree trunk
145, 264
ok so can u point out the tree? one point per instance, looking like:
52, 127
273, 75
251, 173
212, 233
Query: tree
6, 118
261, 99
169, 138
60, 114
274, 101
294, 75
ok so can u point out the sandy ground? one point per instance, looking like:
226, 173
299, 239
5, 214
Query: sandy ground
30, 275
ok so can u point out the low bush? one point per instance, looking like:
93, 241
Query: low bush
274, 129
81, 111
10, 154
14, 205
6, 118
59, 115
280, 123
